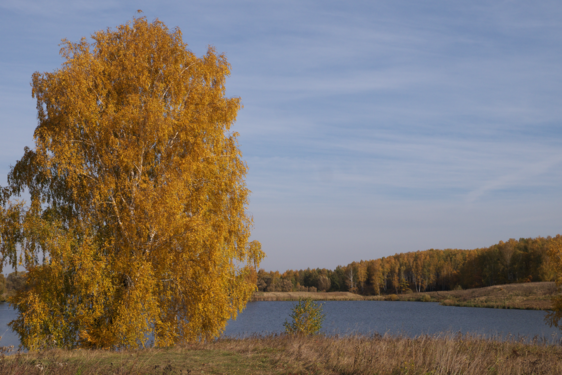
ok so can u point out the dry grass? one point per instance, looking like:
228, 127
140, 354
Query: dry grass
529, 296
199, 359
317, 296
306, 355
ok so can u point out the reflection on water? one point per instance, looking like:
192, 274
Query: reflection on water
369, 317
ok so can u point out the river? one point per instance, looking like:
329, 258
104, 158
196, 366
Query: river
369, 317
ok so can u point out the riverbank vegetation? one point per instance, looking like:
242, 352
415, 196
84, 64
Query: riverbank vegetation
11, 284
510, 262
528, 296
294, 354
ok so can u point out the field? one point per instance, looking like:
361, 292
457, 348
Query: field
531, 296
304, 355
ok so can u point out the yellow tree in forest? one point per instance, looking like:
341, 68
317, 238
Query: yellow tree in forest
554, 252
417, 270
375, 275
361, 268
136, 224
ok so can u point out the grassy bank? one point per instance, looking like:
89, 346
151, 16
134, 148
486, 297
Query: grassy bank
305, 355
317, 296
530, 296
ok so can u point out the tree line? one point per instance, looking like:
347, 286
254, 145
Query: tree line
508, 262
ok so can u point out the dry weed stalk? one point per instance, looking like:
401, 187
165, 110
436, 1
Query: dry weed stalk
286, 354
446, 354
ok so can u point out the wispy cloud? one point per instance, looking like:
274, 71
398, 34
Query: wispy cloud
368, 126
530, 174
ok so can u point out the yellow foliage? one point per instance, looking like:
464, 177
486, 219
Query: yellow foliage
137, 222
555, 260
392, 297
307, 318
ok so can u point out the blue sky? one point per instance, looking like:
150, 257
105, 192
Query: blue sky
370, 128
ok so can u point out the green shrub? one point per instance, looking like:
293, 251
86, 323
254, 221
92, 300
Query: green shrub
425, 298
307, 318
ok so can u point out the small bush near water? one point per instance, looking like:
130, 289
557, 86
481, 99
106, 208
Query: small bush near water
392, 297
300, 354
306, 318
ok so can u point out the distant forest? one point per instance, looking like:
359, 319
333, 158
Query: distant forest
508, 262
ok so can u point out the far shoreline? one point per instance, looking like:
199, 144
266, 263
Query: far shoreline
525, 296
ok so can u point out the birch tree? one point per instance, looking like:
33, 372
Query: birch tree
136, 225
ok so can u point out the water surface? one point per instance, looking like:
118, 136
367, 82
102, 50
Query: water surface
406, 318
7, 314
370, 317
